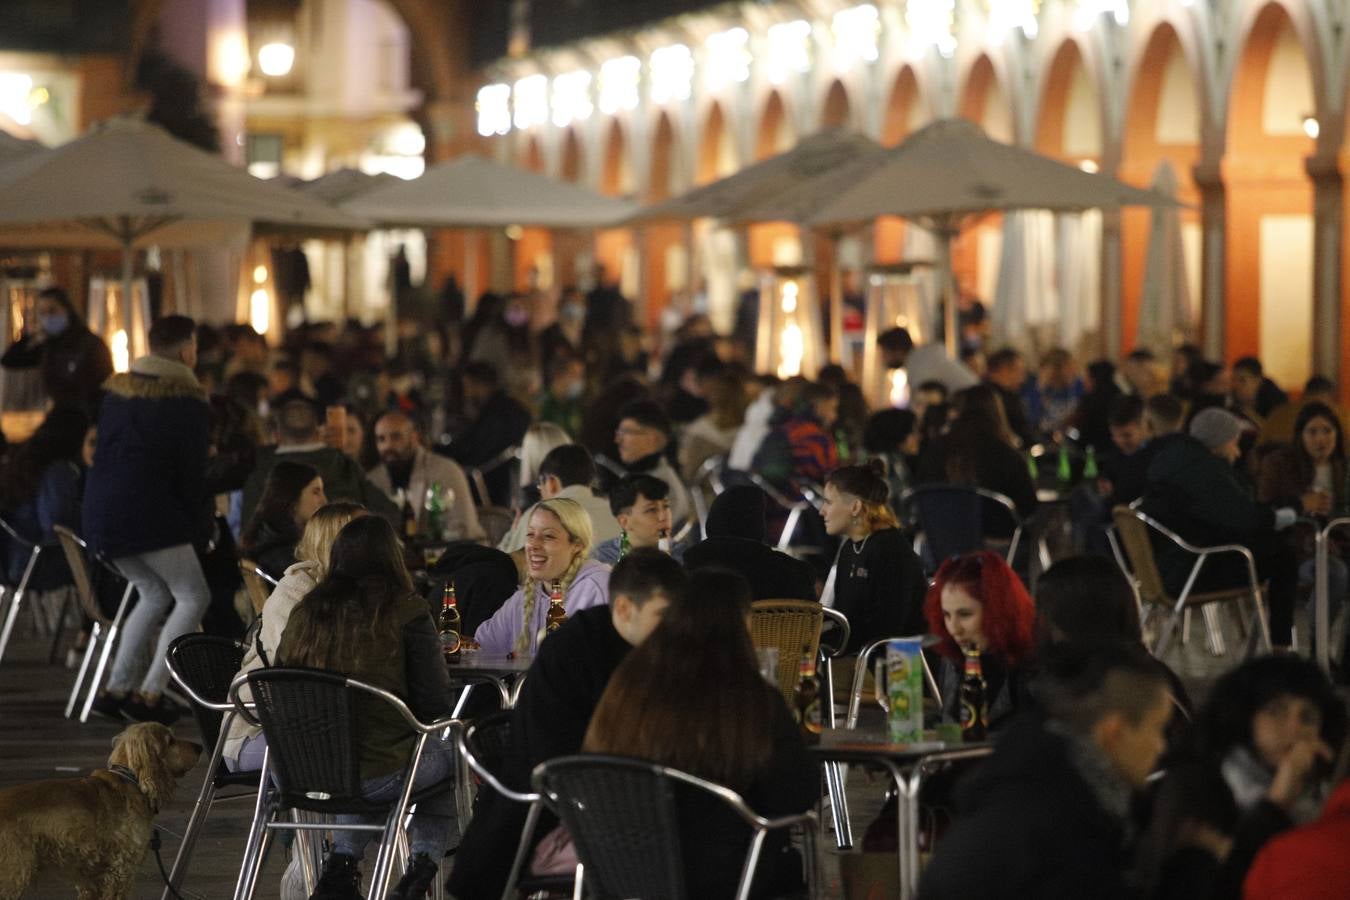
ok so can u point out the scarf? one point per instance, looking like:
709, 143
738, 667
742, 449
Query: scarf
167, 369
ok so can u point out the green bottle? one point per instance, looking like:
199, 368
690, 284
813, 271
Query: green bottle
624, 545
1033, 469
1090, 470
1063, 472
435, 508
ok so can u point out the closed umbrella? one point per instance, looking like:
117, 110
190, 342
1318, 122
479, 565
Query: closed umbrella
1164, 300
129, 184
951, 170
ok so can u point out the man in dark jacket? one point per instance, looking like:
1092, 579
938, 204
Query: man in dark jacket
74, 361
498, 423
1047, 815
737, 539
1192, 488
561, 691
144, 508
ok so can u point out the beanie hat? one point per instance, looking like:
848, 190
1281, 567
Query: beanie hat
1215, 427
738, 512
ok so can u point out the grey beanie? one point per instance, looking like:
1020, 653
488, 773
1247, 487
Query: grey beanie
1215, 427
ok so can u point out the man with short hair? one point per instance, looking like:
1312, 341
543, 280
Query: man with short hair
643, 435
146, 505
927, 363
640, 506
561, 691
1047, 815
1138, 374
1163, 416
1006, 372
1253, 395
497, 422
407, 467
300, 439
567, 471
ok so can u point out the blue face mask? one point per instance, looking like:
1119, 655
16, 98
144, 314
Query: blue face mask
54, 324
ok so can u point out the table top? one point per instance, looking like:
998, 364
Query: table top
479, 663
866, 744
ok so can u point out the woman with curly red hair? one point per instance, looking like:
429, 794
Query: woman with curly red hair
977, 601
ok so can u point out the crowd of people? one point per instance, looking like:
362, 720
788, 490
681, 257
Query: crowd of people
545, 456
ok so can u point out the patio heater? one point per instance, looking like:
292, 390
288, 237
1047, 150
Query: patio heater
895, 299
788, 341
124, 326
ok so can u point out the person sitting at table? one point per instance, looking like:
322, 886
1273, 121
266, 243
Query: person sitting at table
707, 711
1261, 751
1047, 815
567, 471
364, 621
877, 582
556, 549
244, 746
641, 506
978, 602
407, 467
1310, 473
737, 538
561, 690
979, 450
292, 494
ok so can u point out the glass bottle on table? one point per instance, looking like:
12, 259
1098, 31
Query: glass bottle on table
448, 625
1064, 472
435, 510
974, 707
407, 515
806, 697
1090, 468
556, 613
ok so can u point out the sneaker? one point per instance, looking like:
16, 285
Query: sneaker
109, 707
416, 882
137, 710
340, 879
293, 879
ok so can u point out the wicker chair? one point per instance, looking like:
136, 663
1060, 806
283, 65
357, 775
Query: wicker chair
1132, 529
203, 666
793, 627
103, 635
623, 819
257, 583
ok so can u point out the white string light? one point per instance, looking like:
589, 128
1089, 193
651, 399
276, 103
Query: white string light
619, 84
855, 33
494, 109
931, 24
529, 101
789, 50
728, 58
672, 71
572, 98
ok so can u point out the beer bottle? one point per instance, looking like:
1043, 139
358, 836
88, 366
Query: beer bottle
408, 514
807, 697
1033, 469
448, 625
974, 708
435, 508
624, 544
1064, 472
1090, 468
556, 614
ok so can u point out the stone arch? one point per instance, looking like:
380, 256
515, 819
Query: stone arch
532, 155
1070, 122
616, 170
614, 248
774, 134
716, 148
571, 165
905, 110
836, 111
1164, 120
665, 256
1269, 215
975, 253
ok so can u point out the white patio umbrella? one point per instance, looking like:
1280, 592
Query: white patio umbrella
12, 148
1164, 300
951, 170
341, 185
789, 187
473, 192
128, 184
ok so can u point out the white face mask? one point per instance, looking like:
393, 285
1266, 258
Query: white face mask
264, 408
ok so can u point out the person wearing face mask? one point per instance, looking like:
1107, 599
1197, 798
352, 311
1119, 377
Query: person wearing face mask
563, 337
564, 400
74, 361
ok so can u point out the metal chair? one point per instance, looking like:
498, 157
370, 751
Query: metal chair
1133, 528
257, 584
478, 474
14, 593
864, 667
795, 510
623, 818
834, 641
103, 635
707, 481
311, 723
956, 519
204, 666
791, 626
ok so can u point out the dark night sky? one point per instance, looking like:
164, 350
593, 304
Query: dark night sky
554, 22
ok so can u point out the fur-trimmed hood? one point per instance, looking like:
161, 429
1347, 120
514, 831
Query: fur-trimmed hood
156, 378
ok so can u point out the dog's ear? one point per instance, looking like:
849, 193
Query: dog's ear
141, 748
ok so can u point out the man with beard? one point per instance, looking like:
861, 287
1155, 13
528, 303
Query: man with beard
406, 465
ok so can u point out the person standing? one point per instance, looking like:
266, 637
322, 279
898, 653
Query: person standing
74, 361
145, 508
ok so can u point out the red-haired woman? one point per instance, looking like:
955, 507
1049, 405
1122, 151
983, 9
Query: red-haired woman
977, 601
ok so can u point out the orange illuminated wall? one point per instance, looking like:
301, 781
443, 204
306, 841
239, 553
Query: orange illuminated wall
888, 235
981, 84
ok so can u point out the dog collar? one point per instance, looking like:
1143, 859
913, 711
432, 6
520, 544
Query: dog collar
129, 776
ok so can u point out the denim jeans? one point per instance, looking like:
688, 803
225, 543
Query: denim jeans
434, 817
165, 579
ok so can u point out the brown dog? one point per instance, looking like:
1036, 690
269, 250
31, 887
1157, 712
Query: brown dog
95, 829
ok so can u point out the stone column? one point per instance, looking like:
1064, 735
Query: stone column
1328, 227
1213, 277
1111, 328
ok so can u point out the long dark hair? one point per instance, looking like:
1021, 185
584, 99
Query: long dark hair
59, 437
1086, 600
980, 420
1310, 411
276, 508
704, 708
344, 621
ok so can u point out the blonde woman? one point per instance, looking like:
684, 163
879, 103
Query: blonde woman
557, 549
244, 747
538, 441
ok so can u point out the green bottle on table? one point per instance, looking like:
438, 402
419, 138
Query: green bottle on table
1033, 469
1090, 469
1063, 472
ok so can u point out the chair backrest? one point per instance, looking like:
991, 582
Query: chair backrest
955, 518
496, 522
1133, 532
792, 626
75, 550
204, 665
255, 584
864, 668
489, 740
622, 817
310, 721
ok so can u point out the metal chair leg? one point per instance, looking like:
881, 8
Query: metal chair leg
16, 599
60, 630
200, 811
95, 635
109, 640
1213, 630
1186, 628
252, 862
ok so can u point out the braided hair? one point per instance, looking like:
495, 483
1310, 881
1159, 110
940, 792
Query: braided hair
575, 521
